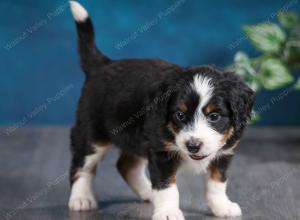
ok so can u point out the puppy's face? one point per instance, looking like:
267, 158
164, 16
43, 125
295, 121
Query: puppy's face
209, 113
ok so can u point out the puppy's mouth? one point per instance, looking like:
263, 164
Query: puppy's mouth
195, 157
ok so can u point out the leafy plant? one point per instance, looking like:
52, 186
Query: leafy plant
279, 45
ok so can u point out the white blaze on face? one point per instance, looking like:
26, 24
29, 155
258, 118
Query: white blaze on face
199, 127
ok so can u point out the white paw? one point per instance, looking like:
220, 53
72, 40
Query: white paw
146, 195
225, 208
142, 187
171, 214
83, 203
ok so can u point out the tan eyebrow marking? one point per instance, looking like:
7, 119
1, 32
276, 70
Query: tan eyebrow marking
209, 108
182, 106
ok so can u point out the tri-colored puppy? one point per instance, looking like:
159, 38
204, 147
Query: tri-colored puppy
158, 114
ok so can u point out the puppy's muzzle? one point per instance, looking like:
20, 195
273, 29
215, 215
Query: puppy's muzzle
194, 145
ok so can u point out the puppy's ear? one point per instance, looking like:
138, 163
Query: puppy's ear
157, 103
241, 100
161, 94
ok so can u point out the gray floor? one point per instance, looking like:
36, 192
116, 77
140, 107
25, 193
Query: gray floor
264, 179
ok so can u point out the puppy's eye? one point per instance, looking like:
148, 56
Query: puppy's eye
214, 117
180, 116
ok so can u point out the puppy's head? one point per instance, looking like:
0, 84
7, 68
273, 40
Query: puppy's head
208, 112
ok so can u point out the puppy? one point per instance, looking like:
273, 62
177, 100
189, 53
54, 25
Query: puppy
159, 115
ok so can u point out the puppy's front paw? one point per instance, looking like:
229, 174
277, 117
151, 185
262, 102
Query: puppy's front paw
83, 203
171, 214
225, 208
146, 195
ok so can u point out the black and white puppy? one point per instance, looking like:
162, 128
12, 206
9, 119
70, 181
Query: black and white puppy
159, 115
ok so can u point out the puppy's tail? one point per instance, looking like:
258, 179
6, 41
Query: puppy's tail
89, 54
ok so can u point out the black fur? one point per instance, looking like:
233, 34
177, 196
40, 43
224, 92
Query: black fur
131, 103
222, 165
162, 169
90, 56
241, 99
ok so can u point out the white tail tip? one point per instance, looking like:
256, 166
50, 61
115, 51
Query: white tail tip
78, 11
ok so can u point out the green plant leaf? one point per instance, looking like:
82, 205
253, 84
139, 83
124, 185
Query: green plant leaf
255, 117
297, 85
243, 67
254, 84
241, 57
274, 74
288, 19
291, 52
265, 37
242, 61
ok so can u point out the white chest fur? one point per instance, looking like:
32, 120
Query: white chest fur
196, 166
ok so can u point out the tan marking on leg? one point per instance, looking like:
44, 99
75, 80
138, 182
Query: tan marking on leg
215, 173
90, 163
82, 196
126, 163
132, 169
173, 179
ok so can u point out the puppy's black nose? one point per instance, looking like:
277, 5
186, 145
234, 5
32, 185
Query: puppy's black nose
194, 145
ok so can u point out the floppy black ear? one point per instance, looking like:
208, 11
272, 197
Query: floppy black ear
161, 95
159, 98
241, 100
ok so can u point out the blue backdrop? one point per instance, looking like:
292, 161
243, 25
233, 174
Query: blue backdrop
40, 77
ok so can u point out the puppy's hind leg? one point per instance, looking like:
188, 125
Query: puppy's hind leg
83, 170
133, 170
